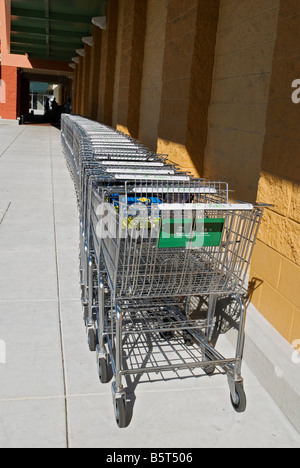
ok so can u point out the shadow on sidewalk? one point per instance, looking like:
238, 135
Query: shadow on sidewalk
43, 120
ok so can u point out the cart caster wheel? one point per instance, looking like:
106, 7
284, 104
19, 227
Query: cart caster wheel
240, 401
166, 335
188, 339
120, 412
92, 340
209, 369
103, 370
85, 313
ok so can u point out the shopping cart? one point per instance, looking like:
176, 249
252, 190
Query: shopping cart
88, 146
154, 238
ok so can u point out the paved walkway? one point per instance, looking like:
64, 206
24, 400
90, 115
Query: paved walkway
50, 394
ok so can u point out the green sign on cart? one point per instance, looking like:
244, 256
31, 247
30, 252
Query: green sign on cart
184, 232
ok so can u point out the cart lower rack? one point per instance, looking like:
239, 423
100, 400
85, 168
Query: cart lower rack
154, 242
157, 337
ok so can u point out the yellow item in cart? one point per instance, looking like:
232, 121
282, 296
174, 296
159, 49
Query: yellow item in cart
144, 200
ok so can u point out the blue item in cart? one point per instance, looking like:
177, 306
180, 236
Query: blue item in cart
144, 200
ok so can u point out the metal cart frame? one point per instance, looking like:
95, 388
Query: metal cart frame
151, 238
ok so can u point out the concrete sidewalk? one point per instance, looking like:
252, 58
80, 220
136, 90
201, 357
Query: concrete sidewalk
50, 394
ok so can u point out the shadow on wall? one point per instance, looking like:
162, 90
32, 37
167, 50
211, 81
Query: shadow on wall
254, 285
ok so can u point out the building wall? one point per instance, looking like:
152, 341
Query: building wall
187, 74
176, 80
151, 89
209, 84
119, 38
108, 65
241, 82
131, 66
9, 92
93, 96
79, 86
276, 262
86, 80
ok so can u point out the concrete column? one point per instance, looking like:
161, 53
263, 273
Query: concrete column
75, 96
131, 66
80, 85
201, 81
152, 72
240, 90
86, 80
118, 63
95, 73
187, 73
108, 64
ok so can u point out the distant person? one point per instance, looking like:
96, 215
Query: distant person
55, 110
47, 106
54, 105
68, 107
47, 110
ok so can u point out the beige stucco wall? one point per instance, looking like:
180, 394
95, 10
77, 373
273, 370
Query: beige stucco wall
94, 73
115, 107
187, 75
106, 80
131, 66
176, 80
209, 84
276, 261
240, 91
253, 143
152, 72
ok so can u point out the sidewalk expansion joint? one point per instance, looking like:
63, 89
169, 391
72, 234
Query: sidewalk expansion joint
3, 213
59, 299
11, 143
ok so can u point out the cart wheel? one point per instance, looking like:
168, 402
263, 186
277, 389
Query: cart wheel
210, 369
188, 339
85, 313
92, 341
240, 402
103, 370
120, 411
166, 334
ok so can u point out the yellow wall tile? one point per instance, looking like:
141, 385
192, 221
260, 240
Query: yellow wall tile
277, 310
282, 234
289, 283
267, 263
255, 288
276, 191
294, 212
295, 335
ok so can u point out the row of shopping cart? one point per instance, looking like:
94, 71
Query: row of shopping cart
155, 241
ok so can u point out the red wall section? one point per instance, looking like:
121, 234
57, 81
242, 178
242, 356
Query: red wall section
9, 77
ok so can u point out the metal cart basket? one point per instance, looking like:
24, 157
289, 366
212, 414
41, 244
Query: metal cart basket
152, 239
